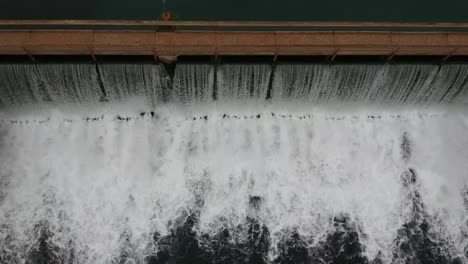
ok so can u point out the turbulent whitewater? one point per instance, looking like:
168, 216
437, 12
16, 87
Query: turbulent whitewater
239, 166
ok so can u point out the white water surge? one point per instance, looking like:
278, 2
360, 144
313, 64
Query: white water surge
93, 181
109, 163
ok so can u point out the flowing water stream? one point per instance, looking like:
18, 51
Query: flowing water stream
313, 164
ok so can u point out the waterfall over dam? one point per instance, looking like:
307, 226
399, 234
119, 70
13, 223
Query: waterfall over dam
381, 84
234, 163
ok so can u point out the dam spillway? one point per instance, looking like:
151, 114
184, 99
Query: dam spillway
233, 163
87, 83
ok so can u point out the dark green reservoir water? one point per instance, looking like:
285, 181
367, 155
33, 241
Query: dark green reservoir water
273, 10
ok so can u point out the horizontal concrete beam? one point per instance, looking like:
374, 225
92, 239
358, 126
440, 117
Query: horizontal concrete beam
100, 42
428, 25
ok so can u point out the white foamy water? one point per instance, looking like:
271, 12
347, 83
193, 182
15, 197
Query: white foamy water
93, 181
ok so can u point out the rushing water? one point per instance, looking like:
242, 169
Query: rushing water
170, 177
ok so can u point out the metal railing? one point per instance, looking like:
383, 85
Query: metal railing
233, 25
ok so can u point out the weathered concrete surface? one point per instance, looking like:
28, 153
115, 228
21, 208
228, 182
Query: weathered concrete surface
98, 42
